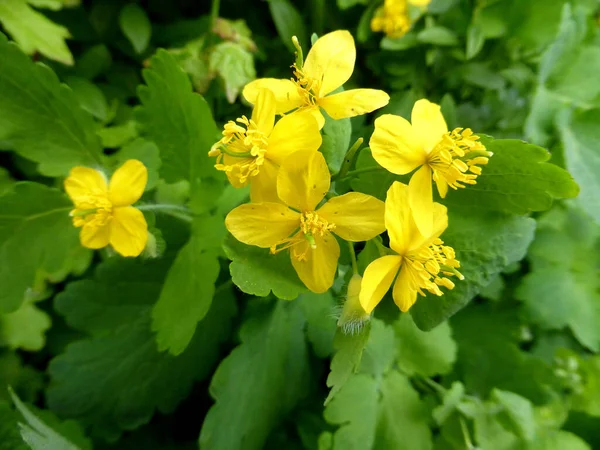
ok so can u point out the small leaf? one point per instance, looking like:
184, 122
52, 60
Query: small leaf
25, 328
288, 22
336, 142
136, 26
319, 310
475, 41
90, 97
257, 272
519, 411
273, 359
438, 36
234, 65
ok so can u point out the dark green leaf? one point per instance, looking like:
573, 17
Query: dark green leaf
288, 22
336, 142
437, 35
135, 26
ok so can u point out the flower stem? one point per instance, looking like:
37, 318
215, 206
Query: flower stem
178, 211
353, 258
466, 435
349, 159
214, 11
356, 172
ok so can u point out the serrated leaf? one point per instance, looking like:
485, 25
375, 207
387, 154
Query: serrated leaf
288, 23
272, 359
425, 353
33, 213
37, 434
25, 328
319, 311
181, 124
235, 65
35, 104
189, 287
519, 411
517, 180
35, 32
380, 351
562, 288
136, 26
484, 244
90, 97
346, 359
579, 133
257, 272
114, 307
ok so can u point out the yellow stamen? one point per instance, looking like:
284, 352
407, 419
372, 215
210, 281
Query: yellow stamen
311, 225
92, 210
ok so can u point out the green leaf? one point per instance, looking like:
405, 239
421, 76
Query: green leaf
519, 411
517, 180
25, 328
34, 32
345, 4
136, 26
489, 430
257, 272
560, 440
10, 438
90, 97
424, 353
380, 415
579, 133
380, 352
346, 359
485, 244
452, 398
35, 104
336, 142
171, 115
115, 308
587, 397
234, 65
438, 36
319, 311
288, 22
272, 359
37, 236
475, 40
37, 434
562, 288
189, 287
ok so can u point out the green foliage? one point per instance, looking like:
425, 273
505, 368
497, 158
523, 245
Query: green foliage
135, 26
25, 328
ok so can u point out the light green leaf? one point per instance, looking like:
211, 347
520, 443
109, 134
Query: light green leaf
10, 438
189, 287
336, 142
35, 104
33, 213
234, 65
37, 434
562, 288
519, 411
475, 40
346, 359
319, 311
272, 359
90, 97
587, 399
485, 244
517, 180
437, 35
489, 430
35, 32
115, 308
380, 351
560, 440
257, 272
425, 353
345, 4
181, 124
288, 22
25, 328
136, 26
452, 398
579, 133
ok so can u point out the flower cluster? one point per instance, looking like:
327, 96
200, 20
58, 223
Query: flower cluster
393, 17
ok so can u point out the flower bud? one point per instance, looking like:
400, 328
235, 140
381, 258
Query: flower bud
353, 316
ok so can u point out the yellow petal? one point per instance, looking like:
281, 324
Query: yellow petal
303, 180
420, 198
331, 61
128, 231
405, 295
317, 270
83, 181
419, 2
440, 223
399, 222
442, 187
262, 224
127, 183
298, 131
395, 146
377, 279
285, 92
94, 237
263, 187
428, 123
263, 113
357, 217
354, 102
316, 113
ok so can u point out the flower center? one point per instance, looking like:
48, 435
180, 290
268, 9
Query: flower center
457, 153
241, 150
308, 88
429, 267
92, 210
311, 225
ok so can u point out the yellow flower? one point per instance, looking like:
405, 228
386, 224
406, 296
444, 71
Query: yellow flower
251, 151
420, 262
103, 210
450, 158
303, 227
329, 64
392, 18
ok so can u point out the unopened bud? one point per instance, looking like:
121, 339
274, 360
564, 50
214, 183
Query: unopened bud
353, 317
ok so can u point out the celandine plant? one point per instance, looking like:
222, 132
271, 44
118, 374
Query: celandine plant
334, 254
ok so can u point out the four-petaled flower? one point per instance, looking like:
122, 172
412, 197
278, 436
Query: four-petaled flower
450, 158
251, 151
393, 17
328, 65
419, 263
104, 211
303, 227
